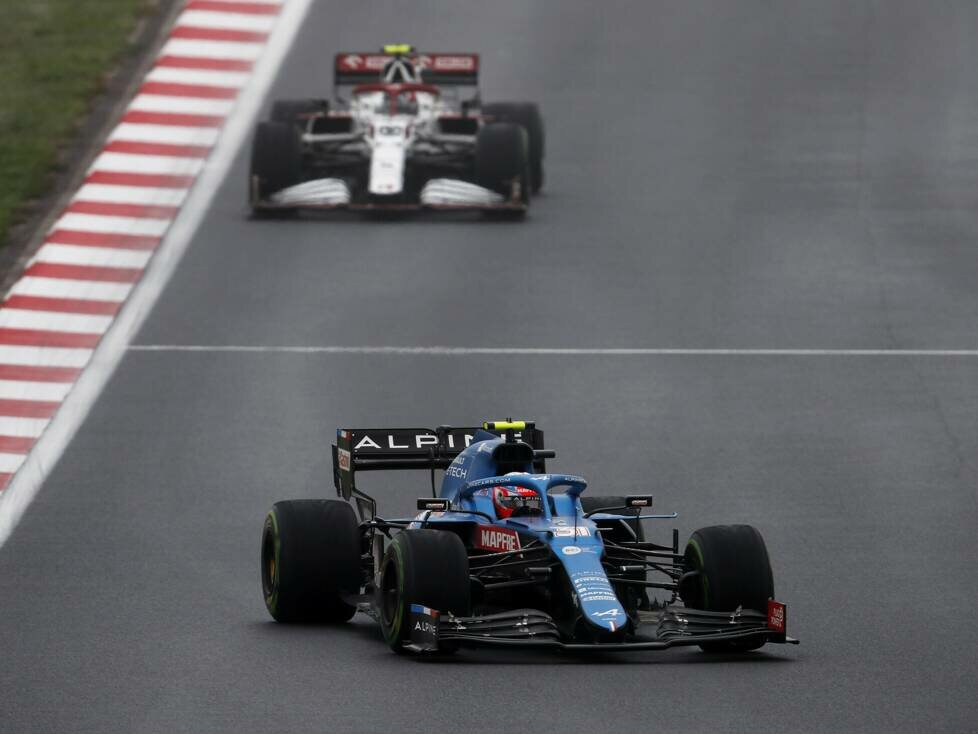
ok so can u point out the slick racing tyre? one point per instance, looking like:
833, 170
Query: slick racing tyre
727, 567
310, 555
501, 156
289, 110
427, 567
276, 159
526, 114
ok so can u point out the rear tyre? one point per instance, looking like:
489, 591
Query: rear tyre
276, 160
526, 114
428, 567
310, 556
727, 567
502, 158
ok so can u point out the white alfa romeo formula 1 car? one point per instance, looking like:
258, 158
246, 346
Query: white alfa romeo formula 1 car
403, 131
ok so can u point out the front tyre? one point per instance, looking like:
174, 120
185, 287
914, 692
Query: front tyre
276, 161
727, 567
502, 161
310, 557
427, 567
526, 114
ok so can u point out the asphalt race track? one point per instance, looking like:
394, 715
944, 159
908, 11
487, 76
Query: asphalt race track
753, 175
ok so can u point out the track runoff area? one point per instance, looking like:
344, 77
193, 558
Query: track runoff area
65, 323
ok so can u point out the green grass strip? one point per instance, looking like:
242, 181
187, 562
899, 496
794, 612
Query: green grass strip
54, 57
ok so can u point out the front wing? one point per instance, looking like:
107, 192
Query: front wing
438, 194
670, 626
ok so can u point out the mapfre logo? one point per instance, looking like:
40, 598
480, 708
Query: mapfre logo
343, 458
498, 540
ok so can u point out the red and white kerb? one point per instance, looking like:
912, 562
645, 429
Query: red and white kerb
97, 250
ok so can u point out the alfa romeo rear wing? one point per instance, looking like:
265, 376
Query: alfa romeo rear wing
441, 69
392, 449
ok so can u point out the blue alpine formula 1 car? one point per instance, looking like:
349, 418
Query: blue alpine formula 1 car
507, 554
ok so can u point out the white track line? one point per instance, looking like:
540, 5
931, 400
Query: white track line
537, 351
112, 348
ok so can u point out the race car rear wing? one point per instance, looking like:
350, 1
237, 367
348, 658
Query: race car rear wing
442, 69
376, 449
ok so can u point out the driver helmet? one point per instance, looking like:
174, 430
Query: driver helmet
516, 502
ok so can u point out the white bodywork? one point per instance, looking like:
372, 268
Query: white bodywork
389, 134
389, 142
387, 126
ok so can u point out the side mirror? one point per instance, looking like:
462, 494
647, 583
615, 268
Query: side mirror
638, 500
433, 503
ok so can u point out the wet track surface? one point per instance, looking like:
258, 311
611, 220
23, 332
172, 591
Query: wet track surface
792, 175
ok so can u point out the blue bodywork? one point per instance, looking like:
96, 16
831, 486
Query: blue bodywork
573, 539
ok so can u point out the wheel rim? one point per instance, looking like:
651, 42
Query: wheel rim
390, 593
268, 562
695, 562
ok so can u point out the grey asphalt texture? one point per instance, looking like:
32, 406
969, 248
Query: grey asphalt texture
735, 175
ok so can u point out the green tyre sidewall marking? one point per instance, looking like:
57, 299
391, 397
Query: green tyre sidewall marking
393, 635
271, 601
706, 582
